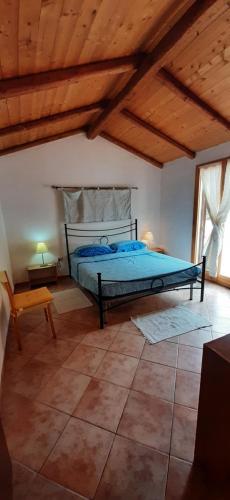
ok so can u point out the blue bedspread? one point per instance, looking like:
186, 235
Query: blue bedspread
132, 265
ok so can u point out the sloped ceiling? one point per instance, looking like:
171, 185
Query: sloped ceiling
152, 77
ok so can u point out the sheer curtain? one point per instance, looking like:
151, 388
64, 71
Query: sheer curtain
218, 209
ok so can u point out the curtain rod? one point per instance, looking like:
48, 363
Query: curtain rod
93, 187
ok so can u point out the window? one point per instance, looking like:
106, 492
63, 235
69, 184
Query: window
202, 225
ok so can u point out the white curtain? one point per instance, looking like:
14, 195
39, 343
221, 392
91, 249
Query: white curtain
218, 209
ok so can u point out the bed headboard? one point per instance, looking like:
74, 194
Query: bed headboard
102, 235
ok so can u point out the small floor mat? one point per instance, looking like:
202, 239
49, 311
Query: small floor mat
169, 323
68, 300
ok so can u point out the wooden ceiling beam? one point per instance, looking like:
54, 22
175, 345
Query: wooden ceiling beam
43, 140
148, 126
153, 61
132, 150
189, 96
12, 87
47, 120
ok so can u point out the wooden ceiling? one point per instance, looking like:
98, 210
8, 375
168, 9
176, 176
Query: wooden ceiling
151, 76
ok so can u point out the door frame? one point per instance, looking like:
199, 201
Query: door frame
221, 280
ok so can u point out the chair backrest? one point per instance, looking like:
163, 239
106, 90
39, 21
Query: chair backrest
6, 284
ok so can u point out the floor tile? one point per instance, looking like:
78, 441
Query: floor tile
187, 482
189, 358
129, 327
183, 432
197, 338
33, 377
133, 472
79, 457
173, 340
22, 477
178, 479
56, 351
64, 390
118, 369
147, 420
164, 353
156, 380
132, 345
187, 388
85, 359
42, 489
216, 335
30, 320
101, 338
31, 429
102, 404
69, 331
221, 325
31, 343
13, 363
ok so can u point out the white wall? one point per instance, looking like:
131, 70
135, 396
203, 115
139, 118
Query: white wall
4, 304
33, 211
177, 194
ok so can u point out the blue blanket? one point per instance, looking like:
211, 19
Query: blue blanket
118, 268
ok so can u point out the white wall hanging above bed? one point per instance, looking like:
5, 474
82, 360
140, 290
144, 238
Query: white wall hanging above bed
96, 204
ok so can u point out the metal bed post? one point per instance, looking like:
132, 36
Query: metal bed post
136, 229
203, 278
67, 248
100, 301
191, 292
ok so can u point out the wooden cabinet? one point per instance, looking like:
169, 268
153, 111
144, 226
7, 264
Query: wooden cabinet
40, 275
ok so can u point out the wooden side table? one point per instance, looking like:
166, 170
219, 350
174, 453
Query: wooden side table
39, 275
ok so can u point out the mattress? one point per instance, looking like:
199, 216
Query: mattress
121, 267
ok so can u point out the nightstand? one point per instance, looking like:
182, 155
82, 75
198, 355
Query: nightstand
158, 250
39, 275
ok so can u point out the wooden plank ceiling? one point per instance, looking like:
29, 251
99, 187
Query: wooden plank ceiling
151, 76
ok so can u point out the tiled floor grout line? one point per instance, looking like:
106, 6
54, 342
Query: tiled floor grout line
170, 442
46, 459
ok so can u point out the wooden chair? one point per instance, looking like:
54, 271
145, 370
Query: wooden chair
22, 302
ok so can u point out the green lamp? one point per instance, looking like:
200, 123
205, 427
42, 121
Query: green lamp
42, 248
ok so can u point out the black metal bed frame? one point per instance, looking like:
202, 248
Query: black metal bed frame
104, 301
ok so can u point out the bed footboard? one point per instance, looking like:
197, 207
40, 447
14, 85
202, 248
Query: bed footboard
101, 300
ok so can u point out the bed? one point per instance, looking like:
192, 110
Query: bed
123, 276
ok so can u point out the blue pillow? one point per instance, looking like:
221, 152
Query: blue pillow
92, 250
127, 245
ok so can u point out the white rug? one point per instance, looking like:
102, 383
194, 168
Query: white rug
68, 300
170, 323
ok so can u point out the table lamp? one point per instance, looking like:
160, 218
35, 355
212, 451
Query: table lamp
42, 248
148, 238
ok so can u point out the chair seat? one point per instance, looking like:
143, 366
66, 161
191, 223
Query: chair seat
32, 298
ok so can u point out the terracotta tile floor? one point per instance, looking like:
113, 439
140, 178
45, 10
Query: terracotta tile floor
102, 414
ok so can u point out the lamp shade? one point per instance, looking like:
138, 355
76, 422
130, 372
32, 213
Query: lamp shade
148, 236
41, 247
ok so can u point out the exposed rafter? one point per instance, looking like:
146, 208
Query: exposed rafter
43, 140
189, 96
12, 87
147, 126
160, 55
132, 150
46, 120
